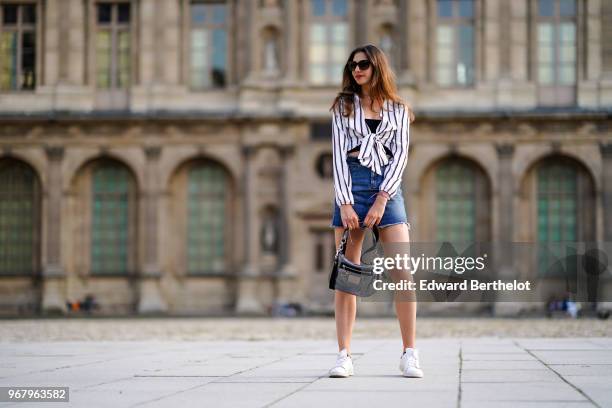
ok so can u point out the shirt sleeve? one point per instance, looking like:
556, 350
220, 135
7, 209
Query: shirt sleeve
342, 175
392, 178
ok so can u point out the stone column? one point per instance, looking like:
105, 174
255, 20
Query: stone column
417, 46
519, 50
247, 302
504, 231
403, 56
63, 24
53, 296
513, 86
606, 190
51, 43
590, 92
606, 204
286, 199
253, 54
147, 24
292, 46
172, 40
76, 35
504, 39
489, 59
286, 273
150, 298
505, 221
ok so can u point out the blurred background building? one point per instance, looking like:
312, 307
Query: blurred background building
175, 156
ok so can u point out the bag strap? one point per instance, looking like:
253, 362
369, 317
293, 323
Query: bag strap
345, 234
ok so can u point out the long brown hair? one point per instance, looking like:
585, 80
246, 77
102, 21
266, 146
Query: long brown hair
382, 82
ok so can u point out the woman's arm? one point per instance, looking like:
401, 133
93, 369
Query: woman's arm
392, 178
342, 176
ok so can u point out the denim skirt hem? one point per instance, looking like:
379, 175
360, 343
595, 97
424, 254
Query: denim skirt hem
365, 187
361, 226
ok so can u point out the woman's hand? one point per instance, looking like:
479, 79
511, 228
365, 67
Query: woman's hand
349, 216
376, 211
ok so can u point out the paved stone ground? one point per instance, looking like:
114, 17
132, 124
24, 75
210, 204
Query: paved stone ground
459, 372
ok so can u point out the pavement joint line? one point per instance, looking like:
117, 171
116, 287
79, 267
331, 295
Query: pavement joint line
509, 382
103, 383
215, 382
325, 375
505, 369
193, 388
168, 395
581, 364
585, 395
477, 359
294, 392
262, 382
570, 349
179, 376
299, 389
492, 352
540, 401
76, 365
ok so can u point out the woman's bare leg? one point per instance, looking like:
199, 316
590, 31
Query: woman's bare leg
405, 309
346, 303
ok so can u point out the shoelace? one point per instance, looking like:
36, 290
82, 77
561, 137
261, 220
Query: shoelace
413, 361
340, 360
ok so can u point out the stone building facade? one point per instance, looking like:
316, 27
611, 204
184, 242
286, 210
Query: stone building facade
174, 155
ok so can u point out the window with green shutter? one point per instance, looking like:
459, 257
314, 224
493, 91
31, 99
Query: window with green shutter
110, 218
19, 219
455, 202
557, 213
207, 215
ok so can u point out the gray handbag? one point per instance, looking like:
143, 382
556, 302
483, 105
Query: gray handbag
349, 277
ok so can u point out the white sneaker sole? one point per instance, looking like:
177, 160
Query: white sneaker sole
414, 373
341, 375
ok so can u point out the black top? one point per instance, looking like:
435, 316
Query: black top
372, 124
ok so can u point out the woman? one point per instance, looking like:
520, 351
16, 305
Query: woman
370, 151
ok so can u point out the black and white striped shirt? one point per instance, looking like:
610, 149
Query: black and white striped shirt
393, 131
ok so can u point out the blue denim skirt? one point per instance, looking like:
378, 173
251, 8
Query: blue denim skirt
365, 186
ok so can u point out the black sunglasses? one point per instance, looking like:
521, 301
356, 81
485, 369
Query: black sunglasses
363, 65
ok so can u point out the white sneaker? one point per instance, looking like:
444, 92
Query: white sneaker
409, 363
344, 365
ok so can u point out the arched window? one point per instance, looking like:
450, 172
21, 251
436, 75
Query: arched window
112, 206
565, 208
462, 202
207, 216
19, 218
